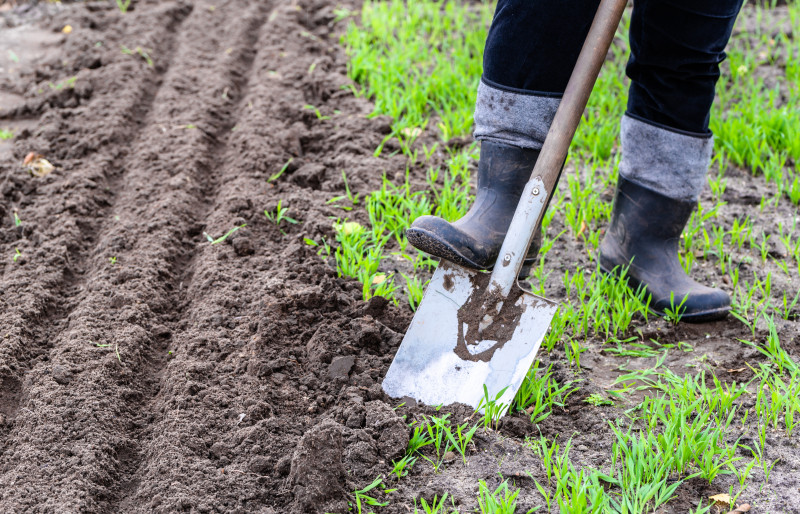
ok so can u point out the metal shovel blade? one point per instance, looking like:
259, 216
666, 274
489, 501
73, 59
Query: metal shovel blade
443, 360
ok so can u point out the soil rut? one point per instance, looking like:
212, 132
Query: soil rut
138, 359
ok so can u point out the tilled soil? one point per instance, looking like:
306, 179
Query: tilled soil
144, 369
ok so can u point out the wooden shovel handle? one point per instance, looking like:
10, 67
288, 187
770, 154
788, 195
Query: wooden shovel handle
584, 75
540, 187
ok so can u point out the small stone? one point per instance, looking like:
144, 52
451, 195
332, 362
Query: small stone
341, 366
449, 456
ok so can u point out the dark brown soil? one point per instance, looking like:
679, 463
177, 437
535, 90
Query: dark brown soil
143, 369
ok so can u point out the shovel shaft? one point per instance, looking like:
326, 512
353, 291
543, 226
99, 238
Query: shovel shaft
544, 177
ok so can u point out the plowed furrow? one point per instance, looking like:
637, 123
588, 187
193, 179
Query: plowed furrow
208, 424
59, 234
109, 349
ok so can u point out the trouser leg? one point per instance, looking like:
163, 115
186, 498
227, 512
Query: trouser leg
530, 51
676, 49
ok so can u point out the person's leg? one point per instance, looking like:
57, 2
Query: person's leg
676, 48
530, 51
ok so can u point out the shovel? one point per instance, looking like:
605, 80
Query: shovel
474, 336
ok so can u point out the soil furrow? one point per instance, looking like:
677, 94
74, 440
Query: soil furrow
237, 344
103, 363
59, 233
243, 53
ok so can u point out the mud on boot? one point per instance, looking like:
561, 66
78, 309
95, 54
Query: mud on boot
644, 232
474, 240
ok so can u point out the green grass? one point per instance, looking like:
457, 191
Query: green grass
123, 5
419, 62
419, 59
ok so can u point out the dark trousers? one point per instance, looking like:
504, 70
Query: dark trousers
676, 48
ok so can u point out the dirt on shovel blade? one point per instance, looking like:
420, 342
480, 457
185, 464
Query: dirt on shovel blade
145, 369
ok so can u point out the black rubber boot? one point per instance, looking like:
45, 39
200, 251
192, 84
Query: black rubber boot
644, 232
474, 240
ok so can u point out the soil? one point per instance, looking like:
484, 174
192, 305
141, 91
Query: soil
144, 369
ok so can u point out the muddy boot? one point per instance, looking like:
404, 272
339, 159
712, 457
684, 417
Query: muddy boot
474, 240
644, 232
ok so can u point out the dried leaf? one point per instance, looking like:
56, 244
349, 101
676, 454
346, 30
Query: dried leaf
723, 498
40, 167
581, 230
736, 370
411, 131
380, 278
349, 227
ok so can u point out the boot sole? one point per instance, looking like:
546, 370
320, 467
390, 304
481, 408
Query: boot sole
427, 242
695, 317
423, 240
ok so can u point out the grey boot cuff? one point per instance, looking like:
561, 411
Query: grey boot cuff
511, 118
667, 162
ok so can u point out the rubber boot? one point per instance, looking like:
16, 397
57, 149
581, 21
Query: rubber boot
474, 240
644, 232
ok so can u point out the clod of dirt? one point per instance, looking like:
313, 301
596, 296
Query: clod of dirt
317, 474
367, 332
260, 464
284, 465
340, 366
243, 245
388, 428
317, 348
310, 175
61, 375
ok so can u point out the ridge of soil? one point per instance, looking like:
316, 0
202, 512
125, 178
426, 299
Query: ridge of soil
242, 376
183, 375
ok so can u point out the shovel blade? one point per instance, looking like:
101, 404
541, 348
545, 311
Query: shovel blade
442, 360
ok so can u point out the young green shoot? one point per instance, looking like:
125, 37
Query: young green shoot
279, 215
223, 237
493, 410
283, 169
140, 52
363, 499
